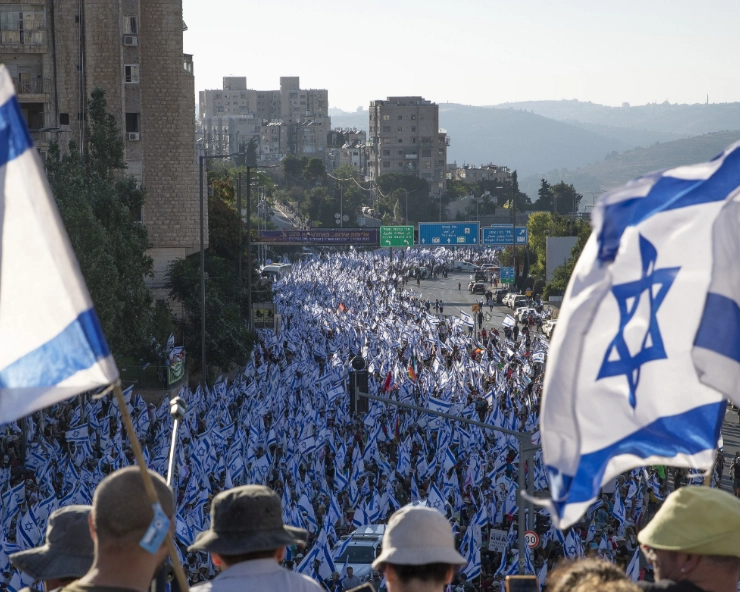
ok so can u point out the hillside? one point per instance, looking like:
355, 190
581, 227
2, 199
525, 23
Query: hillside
520, 140
676, 120
617, 170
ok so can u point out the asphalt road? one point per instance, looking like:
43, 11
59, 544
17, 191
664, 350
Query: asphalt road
456, 300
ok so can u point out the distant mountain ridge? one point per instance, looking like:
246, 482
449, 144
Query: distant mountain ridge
678, 120
618, 170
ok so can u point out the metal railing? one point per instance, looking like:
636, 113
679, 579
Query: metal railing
30, 85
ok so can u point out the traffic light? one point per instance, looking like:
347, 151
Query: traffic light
358, 383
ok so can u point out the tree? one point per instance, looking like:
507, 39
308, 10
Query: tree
565, 198
101, 207
314, 172
544, 201
228, 342
292, 169
248, 152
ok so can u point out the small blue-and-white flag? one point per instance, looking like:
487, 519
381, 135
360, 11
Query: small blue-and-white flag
53, 347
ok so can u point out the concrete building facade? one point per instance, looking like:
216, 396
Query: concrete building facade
59, 52
286, 121
405, 138
486, 172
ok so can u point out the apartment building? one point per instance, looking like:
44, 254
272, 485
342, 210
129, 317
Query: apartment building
405, 138
486, 172
290, 120
59, 52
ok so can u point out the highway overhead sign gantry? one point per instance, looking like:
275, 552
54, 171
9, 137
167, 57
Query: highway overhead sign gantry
507, 275
396, 236
500, 234
433, 234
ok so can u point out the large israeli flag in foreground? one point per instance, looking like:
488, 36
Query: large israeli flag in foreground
51, 345
621, 387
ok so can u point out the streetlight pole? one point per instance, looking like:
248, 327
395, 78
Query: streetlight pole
513, 233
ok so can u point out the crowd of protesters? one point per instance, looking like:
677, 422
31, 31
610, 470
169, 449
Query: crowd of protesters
284, 422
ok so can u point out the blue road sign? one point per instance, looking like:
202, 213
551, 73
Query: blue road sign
500, 234
507, 275
447, 235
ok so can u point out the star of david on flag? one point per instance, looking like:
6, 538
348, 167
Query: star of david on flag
646, 351
618, 359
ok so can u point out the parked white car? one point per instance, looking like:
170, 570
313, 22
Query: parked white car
465, 266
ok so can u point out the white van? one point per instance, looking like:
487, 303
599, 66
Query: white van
361, 550
276, 271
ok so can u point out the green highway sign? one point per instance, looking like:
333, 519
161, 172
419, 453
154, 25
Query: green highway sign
396, 236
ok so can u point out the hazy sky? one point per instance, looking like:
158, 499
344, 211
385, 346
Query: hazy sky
476, 52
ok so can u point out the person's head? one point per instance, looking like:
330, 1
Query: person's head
418, 550
247, 524
350, 572
585, 575
67, 554
695, 536
121, 512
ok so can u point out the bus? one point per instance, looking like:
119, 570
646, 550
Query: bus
276, 271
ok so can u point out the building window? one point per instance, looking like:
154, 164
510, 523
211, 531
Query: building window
413, 118
426, 153
400, 117
400, 153
131, 25
400, 140
426, 175
386, 117
400, 165
440, 163
387, 128
441, 151
386, 152
400, 129
386, 164
133, 121
64, 119
426, 164
413, 140
131, 73
22, 24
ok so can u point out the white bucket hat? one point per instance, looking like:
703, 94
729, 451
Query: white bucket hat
417, 536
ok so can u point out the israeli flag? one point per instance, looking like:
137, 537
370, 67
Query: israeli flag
78, 435
622, 389
466, 319
53, 345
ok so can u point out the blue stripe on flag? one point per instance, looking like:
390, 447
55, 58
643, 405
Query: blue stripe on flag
719, 330
668, 193
76, 348
690, 432
14, 136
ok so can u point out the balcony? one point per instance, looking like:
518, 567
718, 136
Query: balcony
412, 156
33, 37
31, 86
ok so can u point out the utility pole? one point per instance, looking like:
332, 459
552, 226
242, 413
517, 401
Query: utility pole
513, 243
249, 246
239, 209
202, 279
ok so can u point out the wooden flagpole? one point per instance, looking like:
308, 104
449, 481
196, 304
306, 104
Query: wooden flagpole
148, 485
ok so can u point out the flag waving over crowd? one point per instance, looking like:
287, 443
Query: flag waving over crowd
51, 345
622, 389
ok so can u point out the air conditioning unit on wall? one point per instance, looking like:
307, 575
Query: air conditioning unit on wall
130, 40
133, 136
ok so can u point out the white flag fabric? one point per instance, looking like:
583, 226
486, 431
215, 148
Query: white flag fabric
621, 389
51, 345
